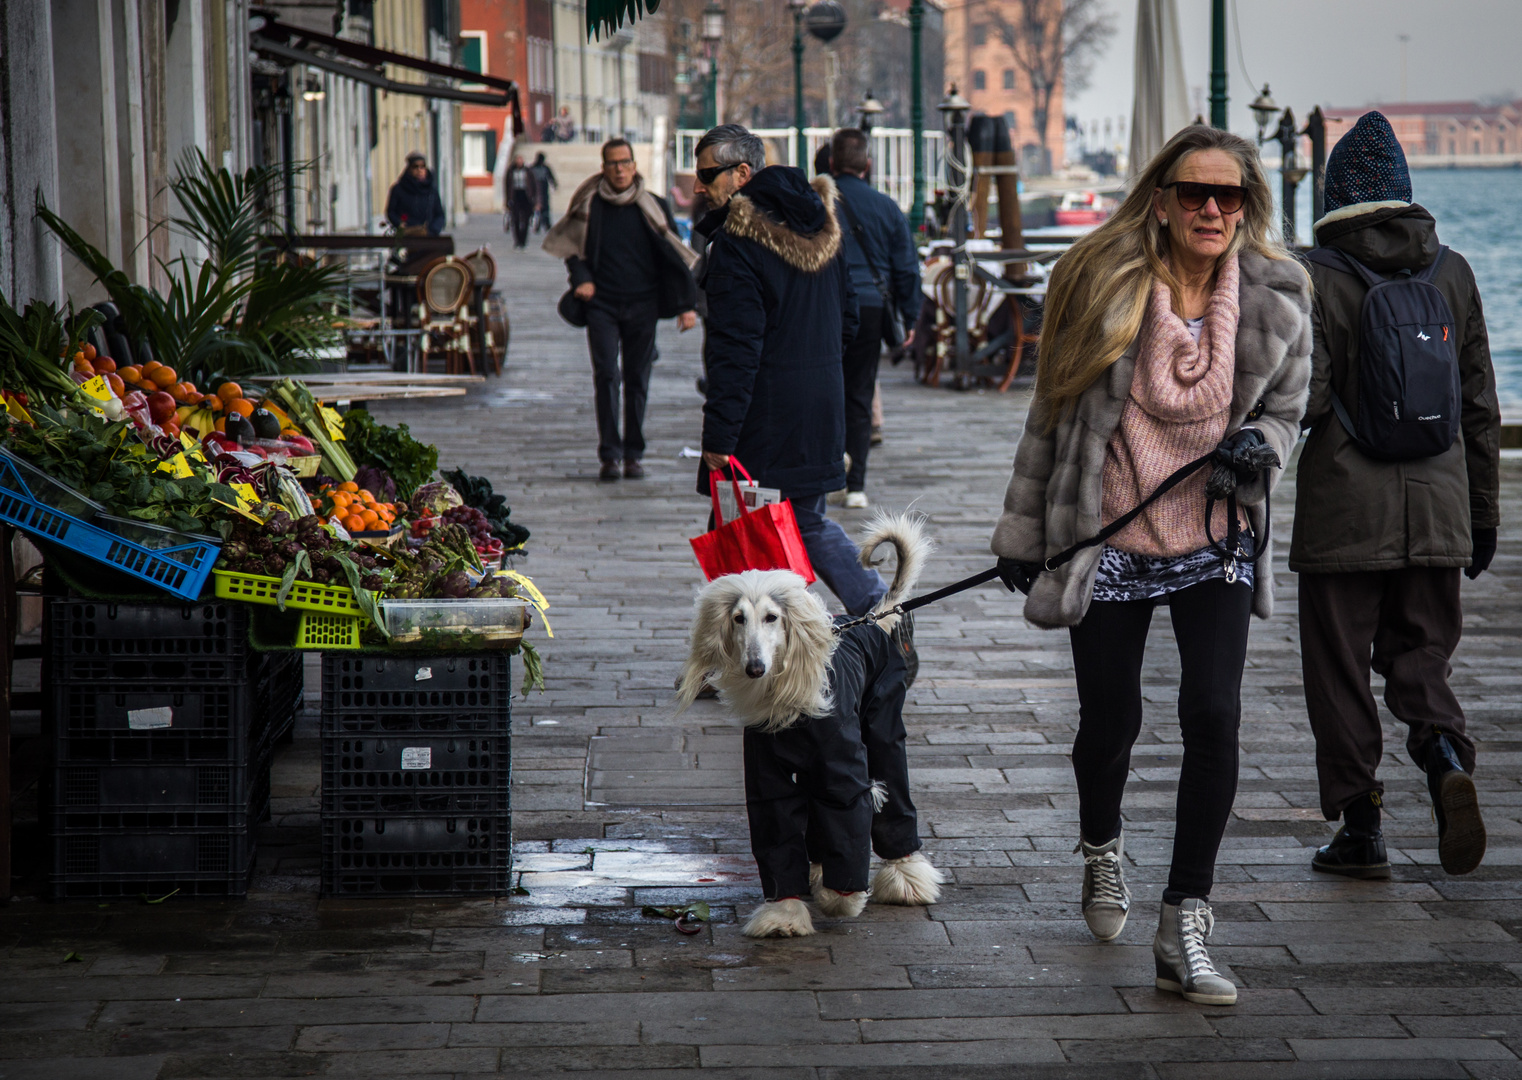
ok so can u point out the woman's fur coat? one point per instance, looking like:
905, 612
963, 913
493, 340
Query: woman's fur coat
1054, 498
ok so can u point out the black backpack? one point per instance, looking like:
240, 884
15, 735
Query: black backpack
1408, 363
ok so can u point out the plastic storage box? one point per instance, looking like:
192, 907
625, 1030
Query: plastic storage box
497, 623
417, 774
378, 855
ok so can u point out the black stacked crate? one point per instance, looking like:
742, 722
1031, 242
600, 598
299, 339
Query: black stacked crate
416, 775
162, 723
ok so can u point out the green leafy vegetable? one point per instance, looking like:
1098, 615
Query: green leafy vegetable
533, 668
477, 492
410, 463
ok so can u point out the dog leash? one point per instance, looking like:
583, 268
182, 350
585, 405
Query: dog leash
1053, 562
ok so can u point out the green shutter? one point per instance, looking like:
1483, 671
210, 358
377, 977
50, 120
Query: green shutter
470, 54
609, 15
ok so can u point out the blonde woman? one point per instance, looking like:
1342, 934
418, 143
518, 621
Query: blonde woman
1178, 327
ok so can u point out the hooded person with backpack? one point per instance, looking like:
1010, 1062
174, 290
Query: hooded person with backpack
1397, 491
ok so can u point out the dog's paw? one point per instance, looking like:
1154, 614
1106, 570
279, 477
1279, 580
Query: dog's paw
839, 905
780, 918
911, 880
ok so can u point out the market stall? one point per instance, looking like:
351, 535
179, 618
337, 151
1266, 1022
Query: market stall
196, 542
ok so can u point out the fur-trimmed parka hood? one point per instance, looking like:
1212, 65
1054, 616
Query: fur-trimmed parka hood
779, 210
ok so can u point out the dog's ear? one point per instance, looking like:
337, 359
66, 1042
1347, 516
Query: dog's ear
710, 645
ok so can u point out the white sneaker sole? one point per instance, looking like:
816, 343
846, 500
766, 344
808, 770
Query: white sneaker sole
1171, 984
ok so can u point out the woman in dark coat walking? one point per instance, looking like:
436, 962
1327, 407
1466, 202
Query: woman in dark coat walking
413, 206
522, 195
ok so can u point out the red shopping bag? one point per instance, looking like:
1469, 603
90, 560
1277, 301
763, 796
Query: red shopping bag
765, 538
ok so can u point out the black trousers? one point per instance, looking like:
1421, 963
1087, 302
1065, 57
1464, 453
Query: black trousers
521, 210
861, 359
1210, 624
1404, 624
629, 326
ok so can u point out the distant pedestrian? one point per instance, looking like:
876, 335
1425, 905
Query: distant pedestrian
1178, 328
780, 310
1381, 532
564, 126
630, 268
885, 273
544, 183
522, 193
413, 206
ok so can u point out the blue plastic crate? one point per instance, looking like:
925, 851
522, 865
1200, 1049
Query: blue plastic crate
180, 569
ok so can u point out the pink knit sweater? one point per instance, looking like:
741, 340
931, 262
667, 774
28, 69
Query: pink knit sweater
1178, 409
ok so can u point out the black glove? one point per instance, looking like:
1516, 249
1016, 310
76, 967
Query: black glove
1239, 459
1484, 551
1018, 575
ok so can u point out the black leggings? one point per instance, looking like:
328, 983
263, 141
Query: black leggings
1210, 623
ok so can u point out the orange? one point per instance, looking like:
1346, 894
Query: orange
151, 366
229, 391
369, 517
242, 406
222, 425
354, 523
212, 402
114, 381
348, 485
82, 365
89, 351
162, 377
130, 374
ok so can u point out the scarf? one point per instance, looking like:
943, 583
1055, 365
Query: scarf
569, 235
1178, 408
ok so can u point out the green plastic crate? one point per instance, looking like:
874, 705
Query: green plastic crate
324, 632
304, 595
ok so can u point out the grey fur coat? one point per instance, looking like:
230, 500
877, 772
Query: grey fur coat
1054, 498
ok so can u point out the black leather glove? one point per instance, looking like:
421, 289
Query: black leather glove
1018, 575
1484, 551
1239, 459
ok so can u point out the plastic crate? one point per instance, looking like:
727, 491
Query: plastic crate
153, 797
416, 856
479, 683
101, 864
416, 774
80, 629
304, 595
178, 570
165, 721
318, 632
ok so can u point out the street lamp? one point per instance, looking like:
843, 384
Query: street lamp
954, 108
713, 33
1264, 110
916, 115
869, 109
798, 7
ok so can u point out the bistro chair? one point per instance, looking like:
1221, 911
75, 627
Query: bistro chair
444, 292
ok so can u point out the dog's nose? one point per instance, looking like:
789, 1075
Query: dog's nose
755, 669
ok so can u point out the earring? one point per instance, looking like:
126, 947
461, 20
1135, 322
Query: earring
1164, 223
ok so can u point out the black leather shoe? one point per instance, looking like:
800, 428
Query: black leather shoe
609, 471
1354, 854
633, 470
1456, 805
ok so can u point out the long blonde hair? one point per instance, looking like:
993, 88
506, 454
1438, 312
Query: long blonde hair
1100, 287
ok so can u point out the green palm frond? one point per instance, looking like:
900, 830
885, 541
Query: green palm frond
609, 15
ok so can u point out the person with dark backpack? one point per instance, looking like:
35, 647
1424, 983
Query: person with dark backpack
1397, 491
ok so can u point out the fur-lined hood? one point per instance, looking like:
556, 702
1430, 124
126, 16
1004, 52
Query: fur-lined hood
754, 214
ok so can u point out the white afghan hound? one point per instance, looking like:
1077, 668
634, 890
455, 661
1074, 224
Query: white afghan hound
822, 708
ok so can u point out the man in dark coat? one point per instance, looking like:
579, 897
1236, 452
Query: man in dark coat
413, 205
881, 256
629, 267
544, 182
522, 195
1379, 544
780, 310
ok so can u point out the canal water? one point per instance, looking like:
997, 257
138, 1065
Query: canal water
1479, 214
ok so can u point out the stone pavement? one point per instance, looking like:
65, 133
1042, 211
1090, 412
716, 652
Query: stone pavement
619, 803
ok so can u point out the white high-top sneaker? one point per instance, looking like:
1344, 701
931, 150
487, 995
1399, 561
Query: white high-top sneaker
1183, 965
1106, 900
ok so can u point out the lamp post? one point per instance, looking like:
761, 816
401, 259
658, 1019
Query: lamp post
798, 8
916, 115
713, 33
868, 110
954, 108
1264, 109
1218, 64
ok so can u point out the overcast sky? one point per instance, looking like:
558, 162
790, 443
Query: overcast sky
1326, 52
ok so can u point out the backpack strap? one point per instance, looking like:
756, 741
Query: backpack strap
1341, 260
1429, 272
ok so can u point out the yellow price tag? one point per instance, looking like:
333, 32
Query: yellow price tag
192, 448
18, 410
178, 467
334, 423
96, 388
240, 510
534, 596
247, 494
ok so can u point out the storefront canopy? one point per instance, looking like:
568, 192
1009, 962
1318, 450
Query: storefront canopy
361, 62
609, 15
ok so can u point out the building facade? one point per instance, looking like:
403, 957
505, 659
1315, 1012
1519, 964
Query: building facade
1444, 134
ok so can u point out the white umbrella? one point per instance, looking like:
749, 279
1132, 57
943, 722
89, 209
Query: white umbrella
1161, 105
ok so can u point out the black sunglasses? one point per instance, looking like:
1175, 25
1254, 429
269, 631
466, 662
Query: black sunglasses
708, 176
1191, 196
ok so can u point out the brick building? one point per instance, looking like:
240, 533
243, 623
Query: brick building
511, 39
985, 71
1444, 133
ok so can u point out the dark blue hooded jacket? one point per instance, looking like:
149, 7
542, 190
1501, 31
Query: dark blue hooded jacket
780, 310
413, 202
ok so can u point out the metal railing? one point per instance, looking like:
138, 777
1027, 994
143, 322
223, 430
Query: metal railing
892, 156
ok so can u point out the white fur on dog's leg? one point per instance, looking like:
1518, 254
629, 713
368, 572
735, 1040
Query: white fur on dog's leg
816, 876
840, 905
879, 792
910, 880
780, 918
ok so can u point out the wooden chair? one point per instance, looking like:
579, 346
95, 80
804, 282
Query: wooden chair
444, 293
487, 323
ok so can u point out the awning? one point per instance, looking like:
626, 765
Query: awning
361, 62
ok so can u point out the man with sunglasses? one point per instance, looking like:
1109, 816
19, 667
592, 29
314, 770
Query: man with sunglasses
629, 269
727, 157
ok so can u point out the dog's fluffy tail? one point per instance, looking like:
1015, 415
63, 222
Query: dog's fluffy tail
906, 534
